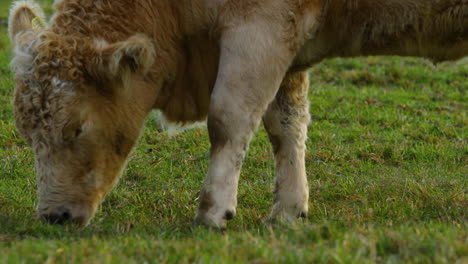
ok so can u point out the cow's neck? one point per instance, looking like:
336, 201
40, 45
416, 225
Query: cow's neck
177, 28
426, 28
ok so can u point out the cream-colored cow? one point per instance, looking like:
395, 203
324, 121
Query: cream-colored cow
86, 80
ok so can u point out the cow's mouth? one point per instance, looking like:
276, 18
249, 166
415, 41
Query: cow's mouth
61, 215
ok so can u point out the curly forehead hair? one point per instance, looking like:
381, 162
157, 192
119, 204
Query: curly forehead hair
46, 55
45, 65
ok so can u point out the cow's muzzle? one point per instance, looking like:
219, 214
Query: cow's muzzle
63, 215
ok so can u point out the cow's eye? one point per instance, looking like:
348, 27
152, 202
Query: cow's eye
72, 131
78, 132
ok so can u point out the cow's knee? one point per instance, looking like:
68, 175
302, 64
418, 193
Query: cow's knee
218, 131
231, 126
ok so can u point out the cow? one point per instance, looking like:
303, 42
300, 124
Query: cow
87, 78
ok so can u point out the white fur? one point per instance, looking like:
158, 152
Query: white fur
172, 128
22, 62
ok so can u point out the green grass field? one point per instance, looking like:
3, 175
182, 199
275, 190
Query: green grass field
387, 164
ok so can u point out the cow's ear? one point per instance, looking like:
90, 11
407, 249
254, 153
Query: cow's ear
24, 16
119, 60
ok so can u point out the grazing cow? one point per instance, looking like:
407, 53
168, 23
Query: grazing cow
86, 80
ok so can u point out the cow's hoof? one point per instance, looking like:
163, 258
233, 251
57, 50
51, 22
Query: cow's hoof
210, 224
282, 219
215, 220
287, 215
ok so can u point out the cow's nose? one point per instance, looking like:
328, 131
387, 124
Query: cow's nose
59, 215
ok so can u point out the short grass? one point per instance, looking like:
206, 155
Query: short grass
386, 161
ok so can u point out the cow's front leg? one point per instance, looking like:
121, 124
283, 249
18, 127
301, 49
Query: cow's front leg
252, 64
286, 122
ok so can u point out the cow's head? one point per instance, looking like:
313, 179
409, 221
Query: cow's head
74, 107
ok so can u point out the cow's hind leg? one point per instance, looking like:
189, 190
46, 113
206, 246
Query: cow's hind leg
252, 65
286, 121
